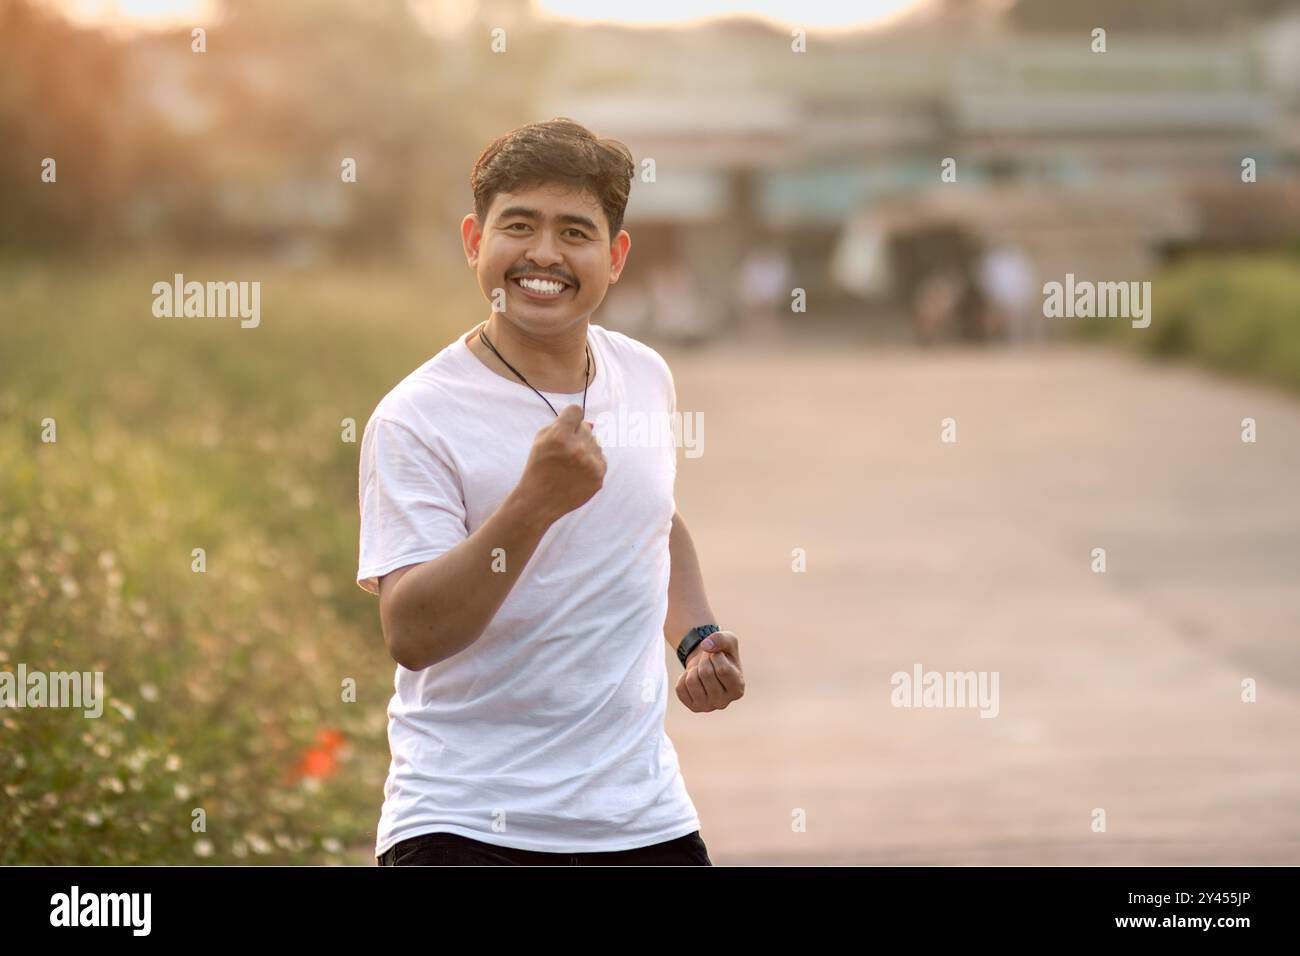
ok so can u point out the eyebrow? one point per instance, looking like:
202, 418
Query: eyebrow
525, 212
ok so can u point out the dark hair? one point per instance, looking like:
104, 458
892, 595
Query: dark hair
557, 151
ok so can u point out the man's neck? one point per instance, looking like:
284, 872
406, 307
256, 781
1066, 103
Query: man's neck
551, 364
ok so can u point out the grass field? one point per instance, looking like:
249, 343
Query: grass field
225, 689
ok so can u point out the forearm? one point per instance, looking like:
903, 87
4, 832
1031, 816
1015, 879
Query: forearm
688, 606
442, 606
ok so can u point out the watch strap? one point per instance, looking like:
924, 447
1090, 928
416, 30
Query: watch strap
692, 640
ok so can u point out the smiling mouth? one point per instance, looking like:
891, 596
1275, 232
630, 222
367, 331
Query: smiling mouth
541, 288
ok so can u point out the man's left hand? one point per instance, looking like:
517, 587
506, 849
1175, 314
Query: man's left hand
713, 677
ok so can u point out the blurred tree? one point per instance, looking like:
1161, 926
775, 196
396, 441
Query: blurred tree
309, 82
241, 146
61, 97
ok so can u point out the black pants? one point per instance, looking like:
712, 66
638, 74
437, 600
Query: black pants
451, 849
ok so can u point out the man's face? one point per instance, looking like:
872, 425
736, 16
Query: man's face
549, 249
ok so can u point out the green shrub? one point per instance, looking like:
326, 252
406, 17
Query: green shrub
1238, 314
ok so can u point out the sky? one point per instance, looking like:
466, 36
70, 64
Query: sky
807, 13
812, 14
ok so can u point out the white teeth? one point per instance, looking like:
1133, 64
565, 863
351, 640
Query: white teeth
543, 286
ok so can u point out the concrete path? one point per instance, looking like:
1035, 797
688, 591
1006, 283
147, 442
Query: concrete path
1119, 691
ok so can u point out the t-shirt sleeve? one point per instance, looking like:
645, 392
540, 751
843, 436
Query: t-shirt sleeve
412, 504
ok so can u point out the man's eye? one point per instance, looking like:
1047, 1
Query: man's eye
579, 233
513, 224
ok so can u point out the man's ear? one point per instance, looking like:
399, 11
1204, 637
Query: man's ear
618, 250
471, 235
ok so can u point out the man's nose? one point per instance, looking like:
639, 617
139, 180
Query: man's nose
545, 251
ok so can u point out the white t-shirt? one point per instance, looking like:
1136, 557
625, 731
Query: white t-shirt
547, 733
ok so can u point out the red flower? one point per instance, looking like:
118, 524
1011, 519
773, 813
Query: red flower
319, 760
329, 739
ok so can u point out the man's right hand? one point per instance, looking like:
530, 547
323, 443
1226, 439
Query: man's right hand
565, 466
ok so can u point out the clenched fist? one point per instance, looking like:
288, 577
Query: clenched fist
713, 678
565, 466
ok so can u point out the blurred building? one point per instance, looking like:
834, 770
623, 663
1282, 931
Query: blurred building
1094, 163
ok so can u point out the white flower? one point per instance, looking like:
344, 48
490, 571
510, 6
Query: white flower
135, 763
203, 848
124, 708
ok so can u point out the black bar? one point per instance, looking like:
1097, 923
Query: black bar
378, 904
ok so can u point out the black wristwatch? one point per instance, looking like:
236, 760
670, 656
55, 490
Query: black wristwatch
692, 639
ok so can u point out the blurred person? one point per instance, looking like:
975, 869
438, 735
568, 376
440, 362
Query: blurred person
934, 305
1006, 279
629, 310
860, 258
762, 288
526, 575
933, 267
676, 310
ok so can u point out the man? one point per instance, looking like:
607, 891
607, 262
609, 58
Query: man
526, 574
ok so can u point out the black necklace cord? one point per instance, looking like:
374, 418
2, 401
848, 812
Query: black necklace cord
585, 383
